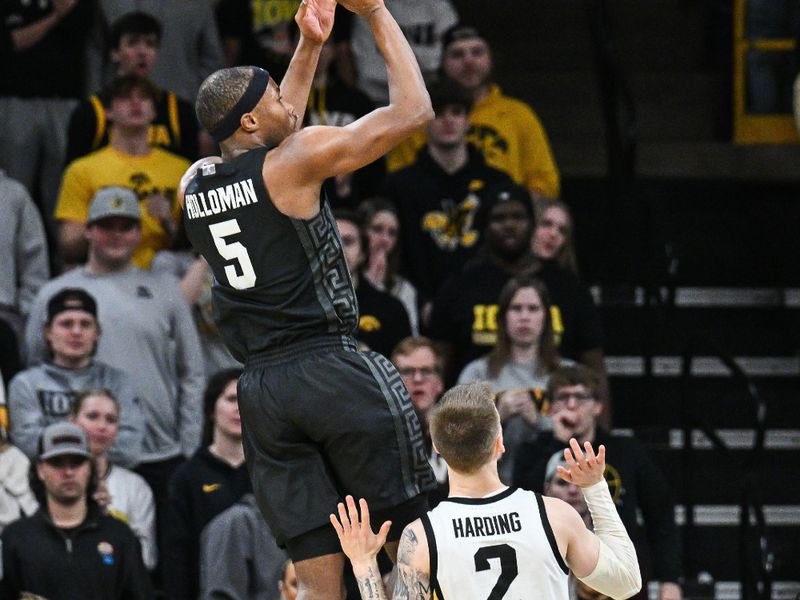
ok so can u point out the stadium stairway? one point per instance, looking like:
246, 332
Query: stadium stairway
699, 251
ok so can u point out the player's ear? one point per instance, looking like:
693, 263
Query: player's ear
499, 446
248, 122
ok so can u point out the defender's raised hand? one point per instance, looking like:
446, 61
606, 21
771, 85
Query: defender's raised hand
358, 541
315, 19
583, 471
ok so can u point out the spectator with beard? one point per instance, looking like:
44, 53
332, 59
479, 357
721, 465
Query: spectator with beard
70, 548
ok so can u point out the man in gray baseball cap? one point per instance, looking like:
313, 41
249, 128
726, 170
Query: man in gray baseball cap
114, 201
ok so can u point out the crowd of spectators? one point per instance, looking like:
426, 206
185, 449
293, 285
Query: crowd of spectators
120, 397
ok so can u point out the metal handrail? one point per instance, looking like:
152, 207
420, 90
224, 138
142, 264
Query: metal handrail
756, 576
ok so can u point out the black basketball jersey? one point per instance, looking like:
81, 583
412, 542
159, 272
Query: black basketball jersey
277, 279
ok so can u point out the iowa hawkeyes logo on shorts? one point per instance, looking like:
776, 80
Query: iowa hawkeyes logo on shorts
452, 226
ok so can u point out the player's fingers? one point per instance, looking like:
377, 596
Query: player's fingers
590, 455
337, 526
343, 517
601, 454
570, 460
384, 532
352, 511
576, 450
364, 514
564, 473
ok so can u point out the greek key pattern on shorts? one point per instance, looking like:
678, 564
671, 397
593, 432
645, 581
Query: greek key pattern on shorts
416, 466
331, 276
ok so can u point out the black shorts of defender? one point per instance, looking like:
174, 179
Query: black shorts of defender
321, 420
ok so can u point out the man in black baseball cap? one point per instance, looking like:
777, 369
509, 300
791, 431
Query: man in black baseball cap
70, 548
71, 299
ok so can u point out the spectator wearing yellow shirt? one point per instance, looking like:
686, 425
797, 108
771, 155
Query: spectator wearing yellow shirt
128, 161
506, 130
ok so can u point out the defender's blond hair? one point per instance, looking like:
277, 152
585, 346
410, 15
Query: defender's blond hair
464, 426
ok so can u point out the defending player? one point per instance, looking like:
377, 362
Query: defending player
491, 541
319, 418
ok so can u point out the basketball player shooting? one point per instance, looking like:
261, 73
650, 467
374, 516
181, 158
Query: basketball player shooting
487, 540
319, 418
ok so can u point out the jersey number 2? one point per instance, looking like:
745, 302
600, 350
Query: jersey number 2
234, 251
508, 566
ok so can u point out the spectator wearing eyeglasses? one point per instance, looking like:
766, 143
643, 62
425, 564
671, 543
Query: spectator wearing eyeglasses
421, 365
635, 482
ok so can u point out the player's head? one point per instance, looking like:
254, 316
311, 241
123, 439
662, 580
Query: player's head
133, 43
465, 427
574, 394
466, 57
421, 366
507, 217
451, 105
241, 105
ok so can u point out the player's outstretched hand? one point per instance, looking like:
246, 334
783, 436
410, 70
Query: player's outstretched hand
583, 471
358, 541
361, 7
315, 19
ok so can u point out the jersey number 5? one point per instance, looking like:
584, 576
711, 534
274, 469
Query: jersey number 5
234, 251
508, 566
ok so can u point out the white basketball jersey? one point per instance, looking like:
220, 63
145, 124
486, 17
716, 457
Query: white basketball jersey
500, 547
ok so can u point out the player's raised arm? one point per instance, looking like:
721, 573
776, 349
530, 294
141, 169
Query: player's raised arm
314, 18
361, 546
604, 560
317, 153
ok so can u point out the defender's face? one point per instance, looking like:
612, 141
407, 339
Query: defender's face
468, 63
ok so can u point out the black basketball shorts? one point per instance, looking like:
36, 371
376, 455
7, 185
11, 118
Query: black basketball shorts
321, 420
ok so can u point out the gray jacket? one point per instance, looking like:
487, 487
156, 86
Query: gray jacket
148, 332
23, 247
42, 395
239, 559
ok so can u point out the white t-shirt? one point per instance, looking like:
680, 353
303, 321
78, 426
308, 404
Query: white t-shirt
132, 503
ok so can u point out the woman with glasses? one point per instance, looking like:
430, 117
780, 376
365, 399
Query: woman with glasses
520, 363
